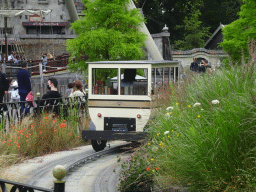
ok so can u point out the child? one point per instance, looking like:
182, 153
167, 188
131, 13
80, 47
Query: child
15, 97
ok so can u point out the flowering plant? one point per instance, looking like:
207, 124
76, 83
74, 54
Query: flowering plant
215, 102
137, 170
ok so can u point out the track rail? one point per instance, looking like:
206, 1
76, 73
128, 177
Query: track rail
94, 156
42, 175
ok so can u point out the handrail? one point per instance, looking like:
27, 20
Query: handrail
21, 187
55, 105
59, 63
59, 172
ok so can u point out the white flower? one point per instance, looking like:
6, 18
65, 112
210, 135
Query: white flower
215, 102
168, 108
167, 115
196, 104
166, 132
202, 109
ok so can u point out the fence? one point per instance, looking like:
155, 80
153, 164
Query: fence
10, 113
59, 172
53, 65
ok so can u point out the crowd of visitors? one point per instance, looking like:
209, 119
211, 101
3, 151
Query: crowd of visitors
14, 57
21, 90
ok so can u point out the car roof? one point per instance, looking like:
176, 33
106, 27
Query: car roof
134, 62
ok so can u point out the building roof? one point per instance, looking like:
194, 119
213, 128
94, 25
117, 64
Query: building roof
214, 34
133, 62
195, 50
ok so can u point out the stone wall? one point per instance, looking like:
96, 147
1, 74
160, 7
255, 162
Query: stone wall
214, 57
34, 47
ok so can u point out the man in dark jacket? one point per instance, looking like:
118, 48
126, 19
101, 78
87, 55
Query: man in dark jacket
24, 85
4, 85
194, 65
52, 97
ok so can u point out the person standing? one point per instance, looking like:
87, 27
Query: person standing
204, 65
16, 64
208, 68
11, 57
44, 58
24, 85
14, 92
194, 65
4, 85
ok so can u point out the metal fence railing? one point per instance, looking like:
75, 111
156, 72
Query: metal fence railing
59, 172
10, 68
12, 112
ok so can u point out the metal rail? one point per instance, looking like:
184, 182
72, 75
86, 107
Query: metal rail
21, 187
71, 165
94, 156
58, 64
12, 111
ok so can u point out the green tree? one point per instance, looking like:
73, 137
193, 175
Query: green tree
195, 34
108, 31
172, 13
237, 34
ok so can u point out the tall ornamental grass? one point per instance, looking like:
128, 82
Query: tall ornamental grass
205, 139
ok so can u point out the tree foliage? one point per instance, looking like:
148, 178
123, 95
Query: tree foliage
172, 13
237, 34
194, 33
108, 31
